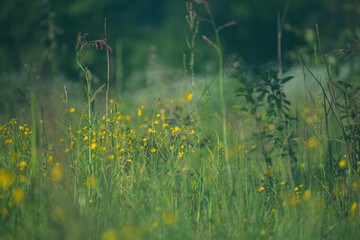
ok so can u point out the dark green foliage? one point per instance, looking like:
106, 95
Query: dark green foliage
268, 106
349, 103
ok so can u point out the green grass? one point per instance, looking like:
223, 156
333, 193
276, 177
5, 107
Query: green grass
175, 185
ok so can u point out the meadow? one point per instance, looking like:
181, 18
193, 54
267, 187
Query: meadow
250, 152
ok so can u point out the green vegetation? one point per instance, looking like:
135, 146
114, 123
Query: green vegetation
234, 155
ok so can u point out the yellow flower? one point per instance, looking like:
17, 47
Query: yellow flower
169, 217
165, 125
302, 165
188, 96
72, 110
271, 127
353, 206
6, 179
51, 158
22, 165
312, 142
14, 157
155, 224
93, 146
307, 110
4, 212
175, 129
111, 157
109, 235
342, 163
18, 194
56, 174
57, 214
192, 132
128, 117
282, 183
261, 189
139, 112
307, 195
152, 150
180, 154
91, 182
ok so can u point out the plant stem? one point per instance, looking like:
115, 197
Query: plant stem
70, 128
34, 137
107, 79
280, 24
221, 87
334, 100
107, 92
88, 93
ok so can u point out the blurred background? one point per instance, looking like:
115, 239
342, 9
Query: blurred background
38, 40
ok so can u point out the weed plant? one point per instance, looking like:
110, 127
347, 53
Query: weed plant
166, 170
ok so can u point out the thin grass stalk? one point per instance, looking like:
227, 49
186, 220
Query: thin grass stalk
221, 86
280, 26
89, 100
193, 22
107, 93
185, 72
327, 131
70, 127
71, 147
333, 98
34, 136
322, 89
